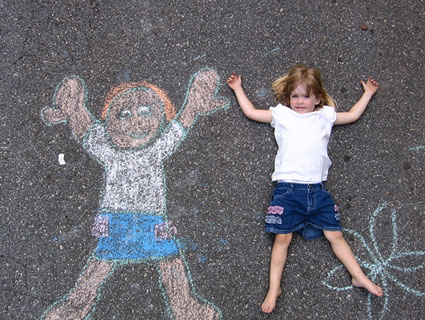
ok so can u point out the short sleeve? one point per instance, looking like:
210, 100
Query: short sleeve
97, 145
277, 113
273, 123
330, 113
171, 137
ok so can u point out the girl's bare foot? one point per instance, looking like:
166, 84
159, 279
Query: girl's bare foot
270, 300
368, 285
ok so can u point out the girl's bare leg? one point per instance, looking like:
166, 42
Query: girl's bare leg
81, 299
277, 263
343, 252
183, 302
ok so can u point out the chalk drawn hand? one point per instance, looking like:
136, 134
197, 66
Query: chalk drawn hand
69, 106
68, 100
201, 98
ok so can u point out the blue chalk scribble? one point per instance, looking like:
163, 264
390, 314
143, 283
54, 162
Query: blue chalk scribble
271, 52
200, 57
224, 241
417, 148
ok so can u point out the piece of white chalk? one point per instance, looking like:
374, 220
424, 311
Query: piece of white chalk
61, 159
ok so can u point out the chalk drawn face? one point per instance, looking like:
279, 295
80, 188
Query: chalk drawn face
134, 118
302, 101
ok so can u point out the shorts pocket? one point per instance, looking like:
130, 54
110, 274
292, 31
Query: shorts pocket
326, 191
325, 198
100, 227
281, 192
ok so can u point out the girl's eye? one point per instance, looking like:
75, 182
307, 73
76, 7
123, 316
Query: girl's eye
124, 114
144, 111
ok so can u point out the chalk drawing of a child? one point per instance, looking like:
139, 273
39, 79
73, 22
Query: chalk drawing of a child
138, 132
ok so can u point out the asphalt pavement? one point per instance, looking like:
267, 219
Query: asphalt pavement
215, 184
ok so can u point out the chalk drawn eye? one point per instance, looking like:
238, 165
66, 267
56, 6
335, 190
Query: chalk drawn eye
144, 111
124, 114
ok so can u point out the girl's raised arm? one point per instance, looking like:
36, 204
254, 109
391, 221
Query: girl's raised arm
357, 110
235, 83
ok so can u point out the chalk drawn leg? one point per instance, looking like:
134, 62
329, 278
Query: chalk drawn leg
184, 304
78, 303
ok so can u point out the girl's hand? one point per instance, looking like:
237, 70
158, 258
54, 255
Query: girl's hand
370, 86
357, 110
234, 81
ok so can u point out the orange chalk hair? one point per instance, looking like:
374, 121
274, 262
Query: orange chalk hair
170, 111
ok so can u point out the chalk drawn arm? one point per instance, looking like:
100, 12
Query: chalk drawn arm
69, 106
235, 83
201, 98
357, 110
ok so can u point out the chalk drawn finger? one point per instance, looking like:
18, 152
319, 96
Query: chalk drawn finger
52, 116
70, 95
219, 103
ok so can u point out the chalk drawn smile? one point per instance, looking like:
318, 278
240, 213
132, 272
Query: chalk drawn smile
137, 135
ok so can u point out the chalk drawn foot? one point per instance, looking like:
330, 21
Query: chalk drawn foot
183, 302
78, 303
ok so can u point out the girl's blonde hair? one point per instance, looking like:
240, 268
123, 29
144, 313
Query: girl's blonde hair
300, 74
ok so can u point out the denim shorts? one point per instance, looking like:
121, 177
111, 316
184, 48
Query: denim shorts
304, 208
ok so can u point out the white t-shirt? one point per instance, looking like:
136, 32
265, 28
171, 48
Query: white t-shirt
303, 144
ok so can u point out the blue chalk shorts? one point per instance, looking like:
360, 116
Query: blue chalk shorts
304, 208
133, 237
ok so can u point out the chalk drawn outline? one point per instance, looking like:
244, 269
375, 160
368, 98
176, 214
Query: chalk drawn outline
159, 130
382, 266
417, 148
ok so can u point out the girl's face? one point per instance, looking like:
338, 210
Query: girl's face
302, 101
134, 118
